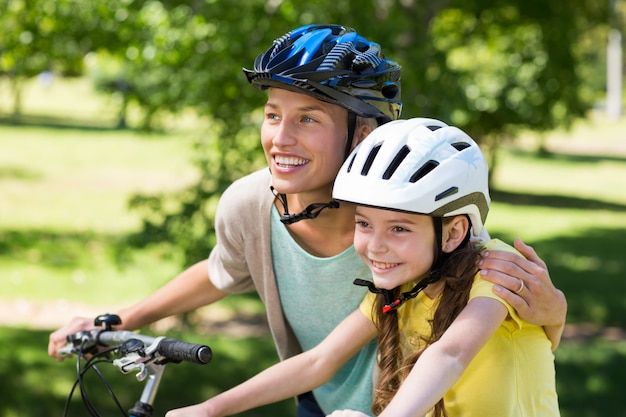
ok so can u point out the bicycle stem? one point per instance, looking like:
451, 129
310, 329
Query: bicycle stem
144, 407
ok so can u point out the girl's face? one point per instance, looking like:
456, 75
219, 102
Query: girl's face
304, 141
397, 247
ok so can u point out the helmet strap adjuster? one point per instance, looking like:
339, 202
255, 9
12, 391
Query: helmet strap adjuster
310, 212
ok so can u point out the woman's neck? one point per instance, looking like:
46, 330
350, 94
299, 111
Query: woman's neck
329, 234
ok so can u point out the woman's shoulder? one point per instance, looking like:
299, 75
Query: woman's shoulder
256, 182
253, 189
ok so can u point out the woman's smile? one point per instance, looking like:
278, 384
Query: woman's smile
289, 161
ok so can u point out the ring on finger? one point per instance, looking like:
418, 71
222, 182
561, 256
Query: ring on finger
521, 286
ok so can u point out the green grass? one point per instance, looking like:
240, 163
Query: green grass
572, 208
583, 177
69, 99
80, 180
64, 211
590, 378
64, 215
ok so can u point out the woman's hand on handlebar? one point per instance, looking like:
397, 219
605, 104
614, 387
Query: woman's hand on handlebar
58, 338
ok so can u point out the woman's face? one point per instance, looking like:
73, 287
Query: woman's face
304, 141
397, 247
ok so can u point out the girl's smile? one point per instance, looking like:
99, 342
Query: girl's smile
398, 247
383, 265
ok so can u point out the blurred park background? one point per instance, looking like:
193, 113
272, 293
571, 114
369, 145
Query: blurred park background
122, 121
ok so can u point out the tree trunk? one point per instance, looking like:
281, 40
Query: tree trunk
18, 87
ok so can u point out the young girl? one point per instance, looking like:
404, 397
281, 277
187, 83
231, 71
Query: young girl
422, 195
447, 344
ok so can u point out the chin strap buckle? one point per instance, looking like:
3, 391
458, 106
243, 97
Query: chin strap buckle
390, 303
311, 212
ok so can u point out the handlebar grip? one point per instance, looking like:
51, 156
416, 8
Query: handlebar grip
190, 352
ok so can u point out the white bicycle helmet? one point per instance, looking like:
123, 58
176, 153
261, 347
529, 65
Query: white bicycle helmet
420, 166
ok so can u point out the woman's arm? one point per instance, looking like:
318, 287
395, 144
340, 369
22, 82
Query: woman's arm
293, 376
539, 302
442, 364
189, 290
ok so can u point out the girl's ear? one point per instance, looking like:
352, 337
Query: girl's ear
453, 233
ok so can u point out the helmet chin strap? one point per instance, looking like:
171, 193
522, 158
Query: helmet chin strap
310, 212
351, 130
391, 303
313, 210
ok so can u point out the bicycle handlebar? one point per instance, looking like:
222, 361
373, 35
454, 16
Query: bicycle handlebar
184, 351
146, 354
158, 349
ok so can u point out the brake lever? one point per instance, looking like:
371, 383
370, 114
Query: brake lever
134, 356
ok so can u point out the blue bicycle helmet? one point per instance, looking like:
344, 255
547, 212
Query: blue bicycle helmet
335, 64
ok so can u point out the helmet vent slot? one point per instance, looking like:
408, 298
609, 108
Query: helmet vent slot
397, 160
450, 191
351, 162
370, 159
459, 146
424, 169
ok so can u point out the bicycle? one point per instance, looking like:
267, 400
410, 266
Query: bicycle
134, 352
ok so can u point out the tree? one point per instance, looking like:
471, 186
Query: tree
490, 67
48, 35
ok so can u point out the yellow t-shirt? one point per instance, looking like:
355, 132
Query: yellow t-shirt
511, 376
